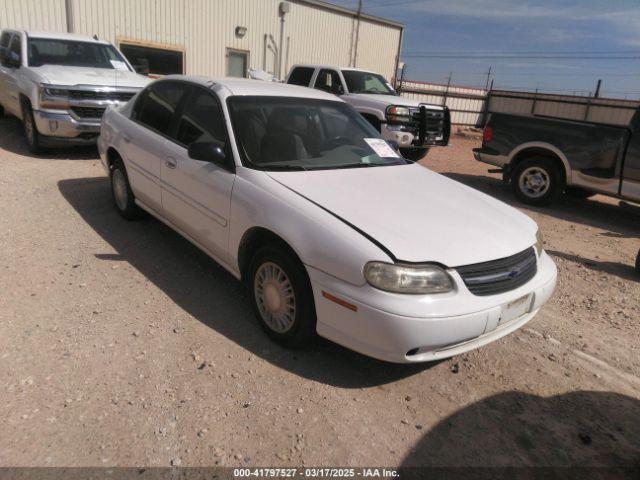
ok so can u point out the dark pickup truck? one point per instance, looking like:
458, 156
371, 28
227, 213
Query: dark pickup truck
543, 157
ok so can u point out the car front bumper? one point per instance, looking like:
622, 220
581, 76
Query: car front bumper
405, 139
420, 328
60, 127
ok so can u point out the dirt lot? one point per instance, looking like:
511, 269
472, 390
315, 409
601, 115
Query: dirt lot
122, 344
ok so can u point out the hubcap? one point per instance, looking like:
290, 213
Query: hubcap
275, 298
534, 182
119, 189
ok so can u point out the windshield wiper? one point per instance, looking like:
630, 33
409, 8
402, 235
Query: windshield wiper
281, 167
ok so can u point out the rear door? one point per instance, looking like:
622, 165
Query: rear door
630, 187
196, 195
145, 141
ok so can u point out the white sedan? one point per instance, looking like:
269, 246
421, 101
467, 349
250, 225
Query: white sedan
295, 194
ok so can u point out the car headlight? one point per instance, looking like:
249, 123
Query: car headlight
539, 243
398, 114
54, 97
408, 278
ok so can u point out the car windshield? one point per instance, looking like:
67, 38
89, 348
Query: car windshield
70, 53
281, 133
367, 82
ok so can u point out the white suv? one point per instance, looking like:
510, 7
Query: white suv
412, 125
61, 84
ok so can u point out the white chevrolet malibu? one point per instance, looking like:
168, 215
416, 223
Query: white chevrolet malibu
295, 194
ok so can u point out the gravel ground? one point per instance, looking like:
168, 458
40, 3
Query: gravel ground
122, 345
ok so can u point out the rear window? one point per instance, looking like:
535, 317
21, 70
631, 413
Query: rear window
301, 76
159, 105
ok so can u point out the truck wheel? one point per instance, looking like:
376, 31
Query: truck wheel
123, 197
30, 129
581, 193
281, 297
413, 154
536, 181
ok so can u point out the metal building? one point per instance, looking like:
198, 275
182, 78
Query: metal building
220, 37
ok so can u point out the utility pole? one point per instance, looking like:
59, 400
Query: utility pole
488, 76
597, 94
355, 50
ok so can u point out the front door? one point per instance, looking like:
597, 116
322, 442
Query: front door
196, 195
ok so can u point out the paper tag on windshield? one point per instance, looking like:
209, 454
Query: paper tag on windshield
381, 148
118, 65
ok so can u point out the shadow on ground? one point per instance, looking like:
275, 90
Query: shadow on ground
598, 431
210, 294
623, 221
626, 272
12, 140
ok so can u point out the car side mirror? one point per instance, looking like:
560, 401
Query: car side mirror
13, 60
207, 152
339, 90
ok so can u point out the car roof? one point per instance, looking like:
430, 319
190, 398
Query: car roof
332, 67
251, 87
64, 36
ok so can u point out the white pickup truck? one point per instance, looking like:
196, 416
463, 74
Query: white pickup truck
59, 85
412, 125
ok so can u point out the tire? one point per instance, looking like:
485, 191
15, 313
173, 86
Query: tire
123, 197
413, 154
638, 262
537, 181
281, 297
1, 111
31, 133
580, 193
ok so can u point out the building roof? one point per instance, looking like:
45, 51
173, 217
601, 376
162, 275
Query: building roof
347, 11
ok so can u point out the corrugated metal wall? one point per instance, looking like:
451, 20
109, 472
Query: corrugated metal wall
33, 14
204, 29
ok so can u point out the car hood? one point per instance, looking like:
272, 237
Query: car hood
416, 214
61, 75
370, 99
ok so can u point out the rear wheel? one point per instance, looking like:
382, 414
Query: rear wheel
281, 297
123, 197
413, 154
30, 129
536, 181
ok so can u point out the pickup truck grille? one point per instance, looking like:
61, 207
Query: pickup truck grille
499, 276
431, 126
93, 95
88, 112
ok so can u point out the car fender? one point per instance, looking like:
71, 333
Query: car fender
320, 239
546, 146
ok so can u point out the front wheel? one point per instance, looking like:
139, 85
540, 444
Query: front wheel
638, 262
281, 297
536, 181
413, 154
30, 129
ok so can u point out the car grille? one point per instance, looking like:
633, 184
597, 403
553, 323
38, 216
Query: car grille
431, 124
92, 95
88, 112
499, 276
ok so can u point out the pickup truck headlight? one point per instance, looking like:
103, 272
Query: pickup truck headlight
52, 97
398, 114
539, 243
417, 279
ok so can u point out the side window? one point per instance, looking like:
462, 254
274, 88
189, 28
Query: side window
4, 46
159, 105
16, 46
202, 120
329, 81
301, 76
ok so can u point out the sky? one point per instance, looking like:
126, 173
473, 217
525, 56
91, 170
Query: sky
520, 29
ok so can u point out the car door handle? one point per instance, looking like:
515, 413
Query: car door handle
171, 162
